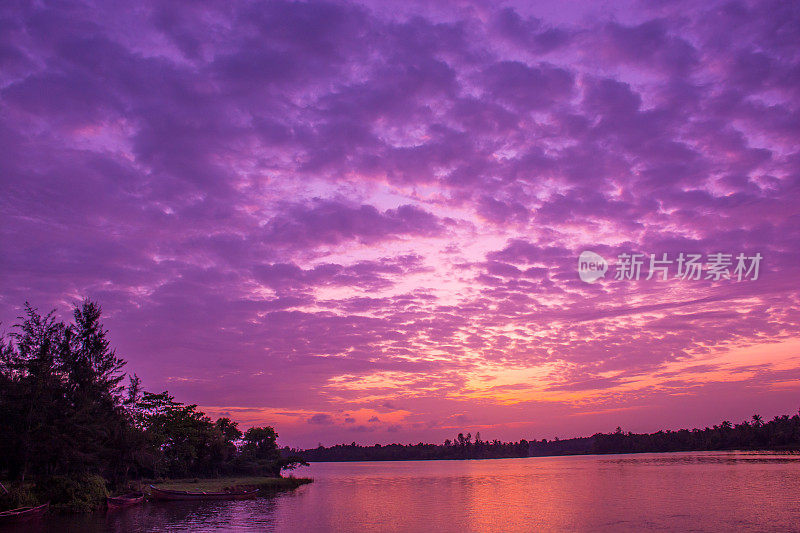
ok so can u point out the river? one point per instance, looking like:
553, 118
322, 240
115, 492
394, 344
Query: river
702, 491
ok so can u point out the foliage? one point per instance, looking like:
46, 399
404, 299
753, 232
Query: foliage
18, 495
184, 440
59, 397
73, 494
782, 432
260, 454
462, 447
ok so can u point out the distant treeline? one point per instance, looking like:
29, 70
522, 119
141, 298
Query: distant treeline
463, 447
780, 433
67, 422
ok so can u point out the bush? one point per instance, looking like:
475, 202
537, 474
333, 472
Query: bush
18, 496
79, 495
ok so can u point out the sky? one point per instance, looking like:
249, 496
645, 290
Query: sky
361, 222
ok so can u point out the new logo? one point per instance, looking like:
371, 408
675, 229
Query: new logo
591, 267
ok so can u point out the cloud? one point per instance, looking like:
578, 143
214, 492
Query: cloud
332, 222
314, 209
320, 418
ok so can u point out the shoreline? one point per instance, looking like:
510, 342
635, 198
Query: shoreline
220, 484
92, 498
785, 451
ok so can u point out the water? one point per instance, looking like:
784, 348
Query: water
708, 491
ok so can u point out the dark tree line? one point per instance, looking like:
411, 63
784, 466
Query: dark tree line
780, 433
462, 447
64, 412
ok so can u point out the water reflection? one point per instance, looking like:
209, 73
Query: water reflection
707, 457
247, 515
648, 492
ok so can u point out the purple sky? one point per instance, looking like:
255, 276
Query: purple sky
361, 222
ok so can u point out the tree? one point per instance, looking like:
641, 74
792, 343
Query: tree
93, 376
260, 450
183, 436
261, 455
60, 396
34, 398
223, 445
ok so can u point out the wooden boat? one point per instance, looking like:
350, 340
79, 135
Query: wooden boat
173, 495
23, 514
126, 500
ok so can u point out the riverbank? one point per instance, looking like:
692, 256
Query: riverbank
787, 450
87, 494
221, 484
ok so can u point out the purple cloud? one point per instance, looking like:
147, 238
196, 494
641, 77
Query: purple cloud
328, 213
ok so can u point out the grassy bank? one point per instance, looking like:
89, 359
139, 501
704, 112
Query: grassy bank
88, 493
220, 484
81, 494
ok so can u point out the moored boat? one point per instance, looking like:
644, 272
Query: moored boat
126, 500
23, 514
174, 495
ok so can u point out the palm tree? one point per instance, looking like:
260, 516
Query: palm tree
757, 421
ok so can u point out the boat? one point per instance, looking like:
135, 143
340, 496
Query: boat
126, 500
175, 495
23, 514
